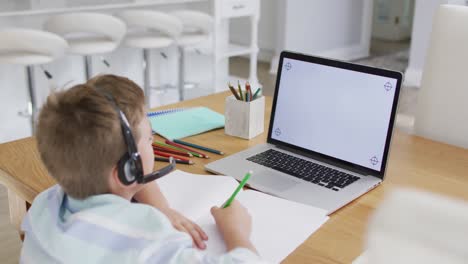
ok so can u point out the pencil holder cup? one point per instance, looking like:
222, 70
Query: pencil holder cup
244, 119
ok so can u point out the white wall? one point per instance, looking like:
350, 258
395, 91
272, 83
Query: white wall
317, 26
333, 28
422, 25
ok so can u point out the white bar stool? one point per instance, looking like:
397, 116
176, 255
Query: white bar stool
88, 34
198, 27
150, 30
30, 47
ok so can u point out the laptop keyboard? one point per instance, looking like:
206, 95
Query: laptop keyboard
304, 169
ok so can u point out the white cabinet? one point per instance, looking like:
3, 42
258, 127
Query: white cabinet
238, 8
224, 10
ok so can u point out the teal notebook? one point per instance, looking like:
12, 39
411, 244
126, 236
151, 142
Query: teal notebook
186, 122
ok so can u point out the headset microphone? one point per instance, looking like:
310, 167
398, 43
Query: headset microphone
159, 173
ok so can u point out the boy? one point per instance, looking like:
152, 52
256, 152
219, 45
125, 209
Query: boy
83, 140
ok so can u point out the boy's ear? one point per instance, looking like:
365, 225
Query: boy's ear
115, 184
118, 188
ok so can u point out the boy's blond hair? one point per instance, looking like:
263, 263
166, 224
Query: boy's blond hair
79, 136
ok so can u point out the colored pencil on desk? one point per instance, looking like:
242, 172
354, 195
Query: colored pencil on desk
198, 147
200, 155
176, 160
164, 145
233, 91
168, 155
256, 93
195, 154
168, 150
240, 91
172, 143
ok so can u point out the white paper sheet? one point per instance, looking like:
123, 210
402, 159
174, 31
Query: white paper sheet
278, 226
194, 195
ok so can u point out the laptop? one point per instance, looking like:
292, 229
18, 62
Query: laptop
329, 136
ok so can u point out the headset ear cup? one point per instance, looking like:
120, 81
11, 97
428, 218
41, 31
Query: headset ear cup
125, 170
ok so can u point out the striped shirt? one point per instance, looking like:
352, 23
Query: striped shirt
108, 229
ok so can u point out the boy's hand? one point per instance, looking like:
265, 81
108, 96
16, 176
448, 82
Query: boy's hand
235, 224
183, 224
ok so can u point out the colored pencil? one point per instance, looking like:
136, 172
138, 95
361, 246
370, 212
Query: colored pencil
256, 93
186, 148
164, 145
239, 187
176, 160
240, 91
193, 152
233, 91
169, 147
168, 155
249, 89
198, 147
198, 155
168, 150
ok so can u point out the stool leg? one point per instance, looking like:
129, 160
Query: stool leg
146, 76
88, 67
32, 96
181, 73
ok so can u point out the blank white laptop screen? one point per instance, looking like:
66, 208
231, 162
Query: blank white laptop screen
336, 112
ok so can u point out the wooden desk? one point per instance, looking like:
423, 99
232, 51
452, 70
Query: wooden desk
414, 162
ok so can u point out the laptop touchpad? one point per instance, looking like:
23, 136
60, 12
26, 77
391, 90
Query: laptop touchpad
271, 180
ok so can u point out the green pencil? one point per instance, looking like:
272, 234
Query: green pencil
241, 185
240, 91
256, 93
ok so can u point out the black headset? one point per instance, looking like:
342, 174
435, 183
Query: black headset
130, 166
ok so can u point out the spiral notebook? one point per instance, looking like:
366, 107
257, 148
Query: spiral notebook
184, 122
164, 112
